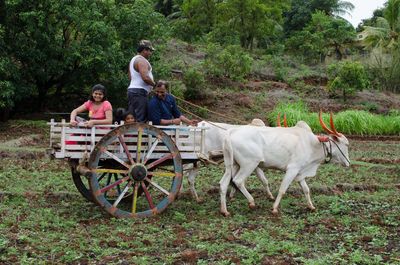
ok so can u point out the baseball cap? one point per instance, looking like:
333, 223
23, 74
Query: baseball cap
146, 44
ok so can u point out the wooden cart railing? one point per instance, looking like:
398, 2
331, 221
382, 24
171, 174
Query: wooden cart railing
73, 142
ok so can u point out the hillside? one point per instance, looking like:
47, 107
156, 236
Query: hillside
262, 92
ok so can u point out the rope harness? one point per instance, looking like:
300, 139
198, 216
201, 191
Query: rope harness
328, 151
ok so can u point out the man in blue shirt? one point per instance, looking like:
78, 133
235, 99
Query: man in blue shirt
162, 108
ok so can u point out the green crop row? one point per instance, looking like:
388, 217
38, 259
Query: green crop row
357, 122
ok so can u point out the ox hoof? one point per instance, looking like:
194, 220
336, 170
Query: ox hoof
275, 211
232, 199
252, 205
312, 208
226, 214
271, 198
199, 200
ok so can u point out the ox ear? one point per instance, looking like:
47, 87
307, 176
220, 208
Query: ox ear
334, 137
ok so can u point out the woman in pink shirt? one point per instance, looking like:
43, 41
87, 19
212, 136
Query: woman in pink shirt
100, 110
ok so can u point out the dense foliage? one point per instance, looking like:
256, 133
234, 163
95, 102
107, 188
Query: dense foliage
61, 48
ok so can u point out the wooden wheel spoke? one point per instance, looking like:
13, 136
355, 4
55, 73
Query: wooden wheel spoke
121, 140
101, 176
164, 174
150, 151
139, 146
105, 170
135, 198
157, 186
121, 195
147, 195
116, 179
114, 184
159, 161
116, 158
107, 183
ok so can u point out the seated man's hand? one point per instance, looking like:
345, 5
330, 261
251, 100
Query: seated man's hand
176, 121
194, 122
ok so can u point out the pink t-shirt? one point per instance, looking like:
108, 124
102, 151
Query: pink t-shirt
100, 113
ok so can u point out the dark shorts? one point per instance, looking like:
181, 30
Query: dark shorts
137, 103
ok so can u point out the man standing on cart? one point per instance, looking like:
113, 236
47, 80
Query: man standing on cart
162, 108
142, 82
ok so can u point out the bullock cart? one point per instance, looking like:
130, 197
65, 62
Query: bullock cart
130, 170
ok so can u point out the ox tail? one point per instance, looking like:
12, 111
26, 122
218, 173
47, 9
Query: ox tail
228, 155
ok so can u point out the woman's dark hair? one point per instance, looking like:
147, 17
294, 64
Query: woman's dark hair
101, 88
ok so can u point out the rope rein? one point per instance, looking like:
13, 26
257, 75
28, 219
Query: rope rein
200, 118
341, 151
222, 115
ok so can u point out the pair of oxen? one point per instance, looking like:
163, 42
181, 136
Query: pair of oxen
295, 150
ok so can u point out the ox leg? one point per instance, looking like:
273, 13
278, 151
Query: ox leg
224, 184
289, 177
233, 187
191, 179
240, 178
264, 181
306, 191
191, 171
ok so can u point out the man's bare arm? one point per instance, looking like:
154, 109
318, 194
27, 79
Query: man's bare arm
143, 68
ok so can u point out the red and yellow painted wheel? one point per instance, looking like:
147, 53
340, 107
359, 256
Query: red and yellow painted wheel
130, 159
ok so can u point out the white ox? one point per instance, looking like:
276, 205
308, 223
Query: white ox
214, 137
295, 150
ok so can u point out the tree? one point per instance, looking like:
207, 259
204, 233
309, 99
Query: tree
230, 21
300, 12
346, 77
370, 21
322, 33
385, 35
254, 19
383, 40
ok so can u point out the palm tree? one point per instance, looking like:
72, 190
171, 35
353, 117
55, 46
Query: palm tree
383, 40
342, 8
385, 35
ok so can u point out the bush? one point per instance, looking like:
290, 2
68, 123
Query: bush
232, 62
177, 89
385, 71
346, 77
194, 82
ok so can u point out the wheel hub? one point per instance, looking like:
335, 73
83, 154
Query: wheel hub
138, 172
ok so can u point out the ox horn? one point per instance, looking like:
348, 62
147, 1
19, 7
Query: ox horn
333, 127
278, 119
333, 131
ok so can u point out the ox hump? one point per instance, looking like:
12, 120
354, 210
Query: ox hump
257, 122
304, 125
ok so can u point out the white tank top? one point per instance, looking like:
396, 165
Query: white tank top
136, 78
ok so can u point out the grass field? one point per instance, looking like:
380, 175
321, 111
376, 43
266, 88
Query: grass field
44, 220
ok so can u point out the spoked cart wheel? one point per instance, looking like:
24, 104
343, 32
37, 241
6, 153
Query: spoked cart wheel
79, 181
132, 154
82, 183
